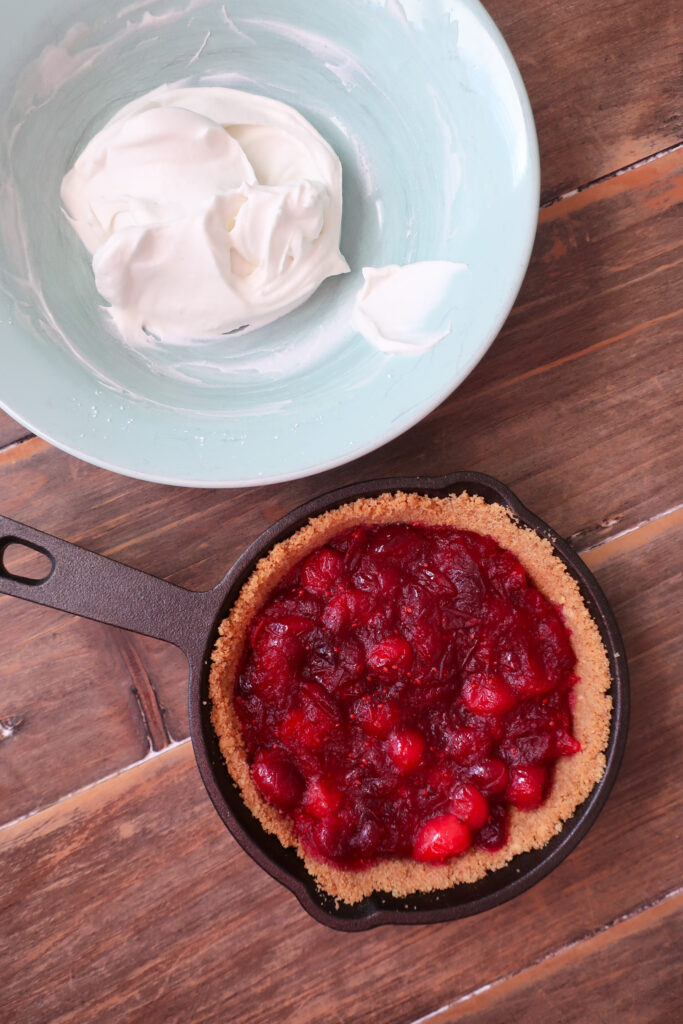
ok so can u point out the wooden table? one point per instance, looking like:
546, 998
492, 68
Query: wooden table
124, 898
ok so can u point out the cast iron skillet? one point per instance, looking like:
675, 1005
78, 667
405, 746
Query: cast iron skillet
88, 584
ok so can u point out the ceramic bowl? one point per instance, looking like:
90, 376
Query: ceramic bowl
423, 103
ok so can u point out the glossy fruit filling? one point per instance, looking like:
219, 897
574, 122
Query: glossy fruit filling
401, 689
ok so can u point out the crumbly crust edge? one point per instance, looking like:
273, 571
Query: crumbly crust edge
575, 776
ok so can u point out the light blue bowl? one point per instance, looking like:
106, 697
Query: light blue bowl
423, 103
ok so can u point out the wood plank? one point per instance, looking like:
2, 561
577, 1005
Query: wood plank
604, 82
64, 683
604, 264
633, 540
629, 972
195, 930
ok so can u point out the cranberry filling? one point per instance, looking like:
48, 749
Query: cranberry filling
402, 688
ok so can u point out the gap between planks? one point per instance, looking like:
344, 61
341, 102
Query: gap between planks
596, 554
554, 200
146, 697
6, 451
630, 923
116, 778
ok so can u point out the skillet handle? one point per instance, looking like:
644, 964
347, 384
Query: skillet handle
99, 588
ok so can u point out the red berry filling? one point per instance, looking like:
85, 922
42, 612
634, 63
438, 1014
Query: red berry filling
402, 688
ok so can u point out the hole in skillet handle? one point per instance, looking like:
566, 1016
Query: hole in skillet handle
465, 899
24, 562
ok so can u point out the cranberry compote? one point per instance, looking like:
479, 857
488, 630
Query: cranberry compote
402, 688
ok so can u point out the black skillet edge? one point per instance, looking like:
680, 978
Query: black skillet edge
462, 900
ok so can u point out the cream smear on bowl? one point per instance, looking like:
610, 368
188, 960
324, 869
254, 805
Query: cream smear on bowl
206, 210
407, 308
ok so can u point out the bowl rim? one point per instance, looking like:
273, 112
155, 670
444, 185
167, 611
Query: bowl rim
285, 866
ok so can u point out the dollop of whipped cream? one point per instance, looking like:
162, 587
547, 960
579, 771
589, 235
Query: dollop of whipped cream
206, 210
407, 308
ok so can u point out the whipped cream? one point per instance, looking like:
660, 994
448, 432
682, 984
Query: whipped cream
407, 308
206, 210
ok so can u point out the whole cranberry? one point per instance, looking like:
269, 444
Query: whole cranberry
322, 798
377, 718
468, 804
277, 778
391, 657
441, 838
488, 695
526, 786
406, 747
321, 569
490, 775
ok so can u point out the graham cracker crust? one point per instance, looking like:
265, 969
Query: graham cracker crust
574, 777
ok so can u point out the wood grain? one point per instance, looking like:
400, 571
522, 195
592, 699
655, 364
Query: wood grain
637, 962
604, 80
196, 931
